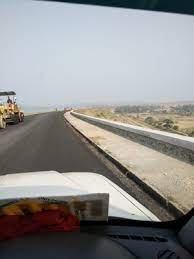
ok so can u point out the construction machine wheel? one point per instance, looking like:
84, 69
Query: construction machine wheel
21, 117
16, 119
2, 122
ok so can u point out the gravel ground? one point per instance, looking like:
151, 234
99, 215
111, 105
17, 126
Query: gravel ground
173, 178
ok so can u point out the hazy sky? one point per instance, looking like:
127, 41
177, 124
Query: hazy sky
55, 53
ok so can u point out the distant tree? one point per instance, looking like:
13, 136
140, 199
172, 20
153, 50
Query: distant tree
191, 134
149, 120
175, 127
168, 123
136, 108
164, 111
186, 110
158, 124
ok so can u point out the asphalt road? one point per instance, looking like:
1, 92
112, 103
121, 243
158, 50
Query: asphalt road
46, 142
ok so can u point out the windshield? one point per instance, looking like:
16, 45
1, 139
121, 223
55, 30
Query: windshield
103, 96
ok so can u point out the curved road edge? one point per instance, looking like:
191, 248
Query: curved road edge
157, 196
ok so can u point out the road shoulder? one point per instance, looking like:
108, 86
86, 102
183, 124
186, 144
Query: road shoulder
170, 178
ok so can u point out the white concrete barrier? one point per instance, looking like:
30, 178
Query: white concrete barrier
178, 146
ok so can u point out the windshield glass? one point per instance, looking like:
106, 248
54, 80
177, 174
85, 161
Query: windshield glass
103, 96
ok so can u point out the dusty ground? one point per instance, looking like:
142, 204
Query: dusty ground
183, 122
174, 179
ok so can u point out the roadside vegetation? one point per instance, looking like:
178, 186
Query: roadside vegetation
172, 118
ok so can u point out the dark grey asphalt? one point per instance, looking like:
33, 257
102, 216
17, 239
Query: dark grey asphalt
45, 142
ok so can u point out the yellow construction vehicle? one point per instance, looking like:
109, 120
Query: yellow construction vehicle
10, 112
2, 116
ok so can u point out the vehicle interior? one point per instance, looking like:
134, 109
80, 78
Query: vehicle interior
117, 238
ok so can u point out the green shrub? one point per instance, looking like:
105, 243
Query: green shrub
175, 127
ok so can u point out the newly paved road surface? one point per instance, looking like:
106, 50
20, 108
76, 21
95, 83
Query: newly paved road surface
46, 142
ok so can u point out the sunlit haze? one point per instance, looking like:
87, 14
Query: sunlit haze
62, 54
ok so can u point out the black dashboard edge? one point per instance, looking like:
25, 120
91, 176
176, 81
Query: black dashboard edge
176, 224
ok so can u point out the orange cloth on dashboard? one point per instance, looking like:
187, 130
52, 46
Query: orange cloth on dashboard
46, 221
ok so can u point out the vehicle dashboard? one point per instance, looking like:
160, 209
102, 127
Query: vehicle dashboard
97, 241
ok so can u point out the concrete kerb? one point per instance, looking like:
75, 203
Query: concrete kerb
169, 205
173, 145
